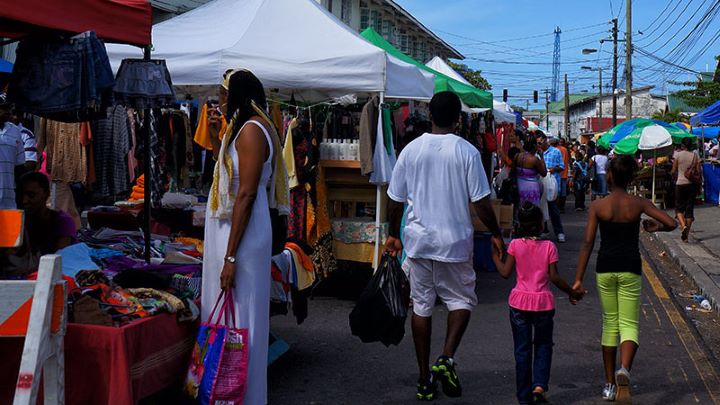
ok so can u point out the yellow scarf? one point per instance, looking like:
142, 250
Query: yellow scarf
222, 198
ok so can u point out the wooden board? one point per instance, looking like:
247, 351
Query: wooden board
346, 164
504, 214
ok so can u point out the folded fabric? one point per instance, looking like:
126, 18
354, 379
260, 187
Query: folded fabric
76, 258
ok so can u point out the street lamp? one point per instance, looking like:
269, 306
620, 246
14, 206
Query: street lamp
600, 100
588, 51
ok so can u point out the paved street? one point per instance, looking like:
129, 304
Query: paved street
327, 365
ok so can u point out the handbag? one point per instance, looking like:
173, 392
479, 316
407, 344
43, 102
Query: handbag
550, 185
279, 225
692, 173
217, 373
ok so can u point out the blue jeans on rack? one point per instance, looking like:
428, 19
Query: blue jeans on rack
533, 339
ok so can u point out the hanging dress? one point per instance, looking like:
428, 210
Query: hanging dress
252, 279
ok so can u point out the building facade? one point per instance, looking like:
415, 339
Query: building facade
584, 113
395, 24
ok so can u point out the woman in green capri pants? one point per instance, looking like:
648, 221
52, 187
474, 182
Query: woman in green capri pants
618, 269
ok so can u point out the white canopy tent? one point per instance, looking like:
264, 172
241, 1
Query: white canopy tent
501, 111
294, 46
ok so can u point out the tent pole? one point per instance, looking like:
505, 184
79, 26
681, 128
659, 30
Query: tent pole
654, 166
146, 170
378, 199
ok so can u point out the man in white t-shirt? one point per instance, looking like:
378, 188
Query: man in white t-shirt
438, 175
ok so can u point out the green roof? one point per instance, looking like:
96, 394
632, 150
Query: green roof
472, 96
675, 103
558, 106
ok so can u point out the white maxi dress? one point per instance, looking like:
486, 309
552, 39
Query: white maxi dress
252, 280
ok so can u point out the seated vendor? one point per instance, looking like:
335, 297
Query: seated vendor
48, 230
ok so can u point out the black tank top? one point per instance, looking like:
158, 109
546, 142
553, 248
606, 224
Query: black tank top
619, 248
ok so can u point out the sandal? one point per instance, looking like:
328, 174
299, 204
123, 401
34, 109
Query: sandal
685, 233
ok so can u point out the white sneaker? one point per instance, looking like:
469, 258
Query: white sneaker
609, 392
561, 238
622, 378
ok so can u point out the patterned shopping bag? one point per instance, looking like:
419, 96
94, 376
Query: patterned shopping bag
217, 374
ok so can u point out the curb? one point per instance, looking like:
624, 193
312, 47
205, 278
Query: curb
699, 277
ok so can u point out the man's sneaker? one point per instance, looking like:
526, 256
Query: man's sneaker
444, 371
561, 238
622, 378
609, 392
426, 390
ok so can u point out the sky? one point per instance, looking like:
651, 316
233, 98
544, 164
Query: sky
512, 41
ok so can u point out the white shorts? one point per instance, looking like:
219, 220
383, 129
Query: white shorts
454, 283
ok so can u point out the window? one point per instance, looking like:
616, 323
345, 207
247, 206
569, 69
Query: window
346, 11
375, 20
388, 30
364, 16
422, 55
403, 41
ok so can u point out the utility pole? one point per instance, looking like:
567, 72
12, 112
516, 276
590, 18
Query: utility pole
628, 60
547, 110
615, 71
600, 125
567, 109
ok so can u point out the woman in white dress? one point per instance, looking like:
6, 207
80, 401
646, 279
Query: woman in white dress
238, 234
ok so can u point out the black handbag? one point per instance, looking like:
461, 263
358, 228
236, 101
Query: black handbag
279, 224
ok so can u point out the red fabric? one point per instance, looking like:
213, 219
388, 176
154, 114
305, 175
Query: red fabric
20, 18
113, 366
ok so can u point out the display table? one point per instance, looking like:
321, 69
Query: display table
711, 175
113, 366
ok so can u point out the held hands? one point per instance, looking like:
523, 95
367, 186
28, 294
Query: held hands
577, 293
227, 276
393, 246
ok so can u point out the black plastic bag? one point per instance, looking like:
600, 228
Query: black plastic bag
380, 313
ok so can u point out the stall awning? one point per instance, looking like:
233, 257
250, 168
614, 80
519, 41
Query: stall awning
470, 95
709, 116
122, 21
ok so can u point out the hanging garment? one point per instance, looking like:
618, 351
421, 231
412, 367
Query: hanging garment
368, 134
111, 147
321, 233
289, 155
383, 161
66, 157
68, 80
132, 161
144, 84
202, 133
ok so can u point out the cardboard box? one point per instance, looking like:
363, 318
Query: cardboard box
504, 214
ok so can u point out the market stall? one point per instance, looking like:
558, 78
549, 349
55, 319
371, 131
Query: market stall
314, 76
706, 125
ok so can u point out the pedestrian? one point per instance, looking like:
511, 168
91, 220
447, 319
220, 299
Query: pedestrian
12, 156
528, 167
618, 269
567, 161
555, 166
598, 164
580, 174
438, 176
532, 305
238, 233
685, 190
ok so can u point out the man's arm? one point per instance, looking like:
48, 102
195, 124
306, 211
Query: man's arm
485, 212
395, 213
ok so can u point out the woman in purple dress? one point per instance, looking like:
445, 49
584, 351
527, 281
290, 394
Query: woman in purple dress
528, 169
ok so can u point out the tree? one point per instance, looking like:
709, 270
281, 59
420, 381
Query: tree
702, 94
471, 75
517, 108
669, 117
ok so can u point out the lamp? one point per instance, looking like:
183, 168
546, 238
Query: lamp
588, 51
